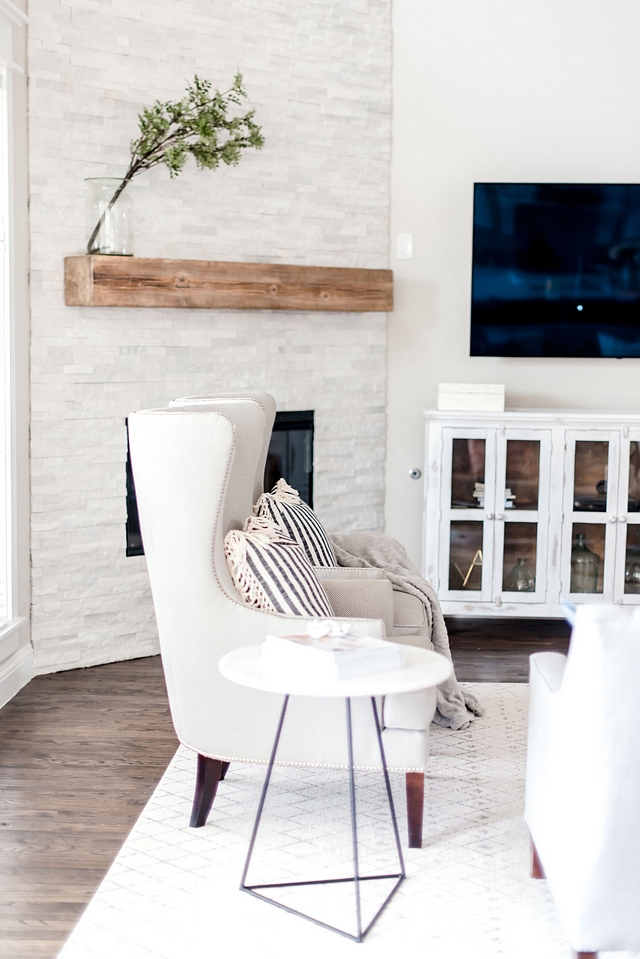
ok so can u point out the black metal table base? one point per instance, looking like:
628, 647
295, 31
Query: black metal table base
356, 879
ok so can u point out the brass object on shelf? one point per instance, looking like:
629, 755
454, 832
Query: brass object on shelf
476, 561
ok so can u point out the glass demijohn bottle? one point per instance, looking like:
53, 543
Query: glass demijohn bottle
520, 579
632, 568
584, 567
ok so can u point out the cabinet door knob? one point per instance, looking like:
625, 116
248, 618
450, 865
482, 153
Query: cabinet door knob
499, 516
489, 515
622, 519
613, 519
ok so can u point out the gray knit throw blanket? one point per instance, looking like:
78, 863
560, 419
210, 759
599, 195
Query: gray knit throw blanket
456, 706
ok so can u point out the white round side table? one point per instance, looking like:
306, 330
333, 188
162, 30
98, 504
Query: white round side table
421, 670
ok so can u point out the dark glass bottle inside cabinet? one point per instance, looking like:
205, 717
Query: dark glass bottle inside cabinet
585, 563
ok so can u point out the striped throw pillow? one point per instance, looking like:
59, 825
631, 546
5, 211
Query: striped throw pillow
294, 518
271, 572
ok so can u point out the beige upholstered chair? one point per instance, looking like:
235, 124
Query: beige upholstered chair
353, 592
197, 470
583, 779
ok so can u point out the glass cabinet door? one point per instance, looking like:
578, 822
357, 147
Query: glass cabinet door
468, 481
627, 573
520, 520
590, 515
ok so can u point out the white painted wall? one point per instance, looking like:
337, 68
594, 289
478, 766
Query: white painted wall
318, 72
504, 90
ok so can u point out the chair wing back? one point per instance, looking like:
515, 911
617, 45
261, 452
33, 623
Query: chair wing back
253, 415
185, 464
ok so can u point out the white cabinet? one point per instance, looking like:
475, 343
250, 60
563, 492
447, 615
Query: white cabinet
524, 508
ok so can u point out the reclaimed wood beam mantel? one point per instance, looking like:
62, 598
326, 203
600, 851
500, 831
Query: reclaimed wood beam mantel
216, 285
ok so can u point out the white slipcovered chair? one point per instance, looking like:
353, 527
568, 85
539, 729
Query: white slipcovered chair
583, 779
198, 470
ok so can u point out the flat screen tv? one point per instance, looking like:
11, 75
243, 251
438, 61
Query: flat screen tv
556, 269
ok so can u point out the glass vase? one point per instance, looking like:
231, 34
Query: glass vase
520, 579
584, 567
632, 568
109, 221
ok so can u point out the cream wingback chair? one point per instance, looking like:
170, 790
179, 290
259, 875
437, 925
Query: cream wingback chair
352, 591
583, 779
197, 470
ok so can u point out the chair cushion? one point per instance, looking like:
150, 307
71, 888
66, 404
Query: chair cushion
295, 519
272, 572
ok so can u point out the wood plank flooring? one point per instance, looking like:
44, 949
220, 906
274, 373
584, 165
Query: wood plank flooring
81, 752
497, 651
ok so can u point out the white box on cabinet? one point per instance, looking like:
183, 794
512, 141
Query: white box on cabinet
488, 397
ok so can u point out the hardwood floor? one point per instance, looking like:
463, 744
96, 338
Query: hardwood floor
81, 752
498, 650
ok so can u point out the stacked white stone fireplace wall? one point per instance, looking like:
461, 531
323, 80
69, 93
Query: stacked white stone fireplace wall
318, 75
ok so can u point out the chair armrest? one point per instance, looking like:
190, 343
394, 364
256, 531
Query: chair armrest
409, 710
409, 617
325, 573
546, 670
370, 598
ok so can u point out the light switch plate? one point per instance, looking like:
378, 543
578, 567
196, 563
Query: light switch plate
404, 246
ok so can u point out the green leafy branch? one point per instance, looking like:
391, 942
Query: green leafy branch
201, 125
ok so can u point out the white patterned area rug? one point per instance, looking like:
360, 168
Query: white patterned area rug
173, 891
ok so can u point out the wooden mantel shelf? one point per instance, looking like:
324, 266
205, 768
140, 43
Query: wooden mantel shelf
214, 285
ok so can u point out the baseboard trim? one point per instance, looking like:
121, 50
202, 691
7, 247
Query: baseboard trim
15, 672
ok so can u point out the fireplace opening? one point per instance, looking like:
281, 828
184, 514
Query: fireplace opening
290, 457
290, 453
132, 526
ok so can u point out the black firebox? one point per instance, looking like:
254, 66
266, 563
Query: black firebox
290, 456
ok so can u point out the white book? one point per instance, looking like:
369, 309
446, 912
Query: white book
330, 657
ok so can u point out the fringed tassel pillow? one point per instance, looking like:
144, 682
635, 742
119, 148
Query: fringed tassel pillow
271, 571
295, 519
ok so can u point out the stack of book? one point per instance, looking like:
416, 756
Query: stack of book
329, 657
478, 492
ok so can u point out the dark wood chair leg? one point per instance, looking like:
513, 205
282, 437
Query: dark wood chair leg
537, 872
223, 771
415, 808
207, 779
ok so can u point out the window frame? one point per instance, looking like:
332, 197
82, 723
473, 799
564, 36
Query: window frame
16, 653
